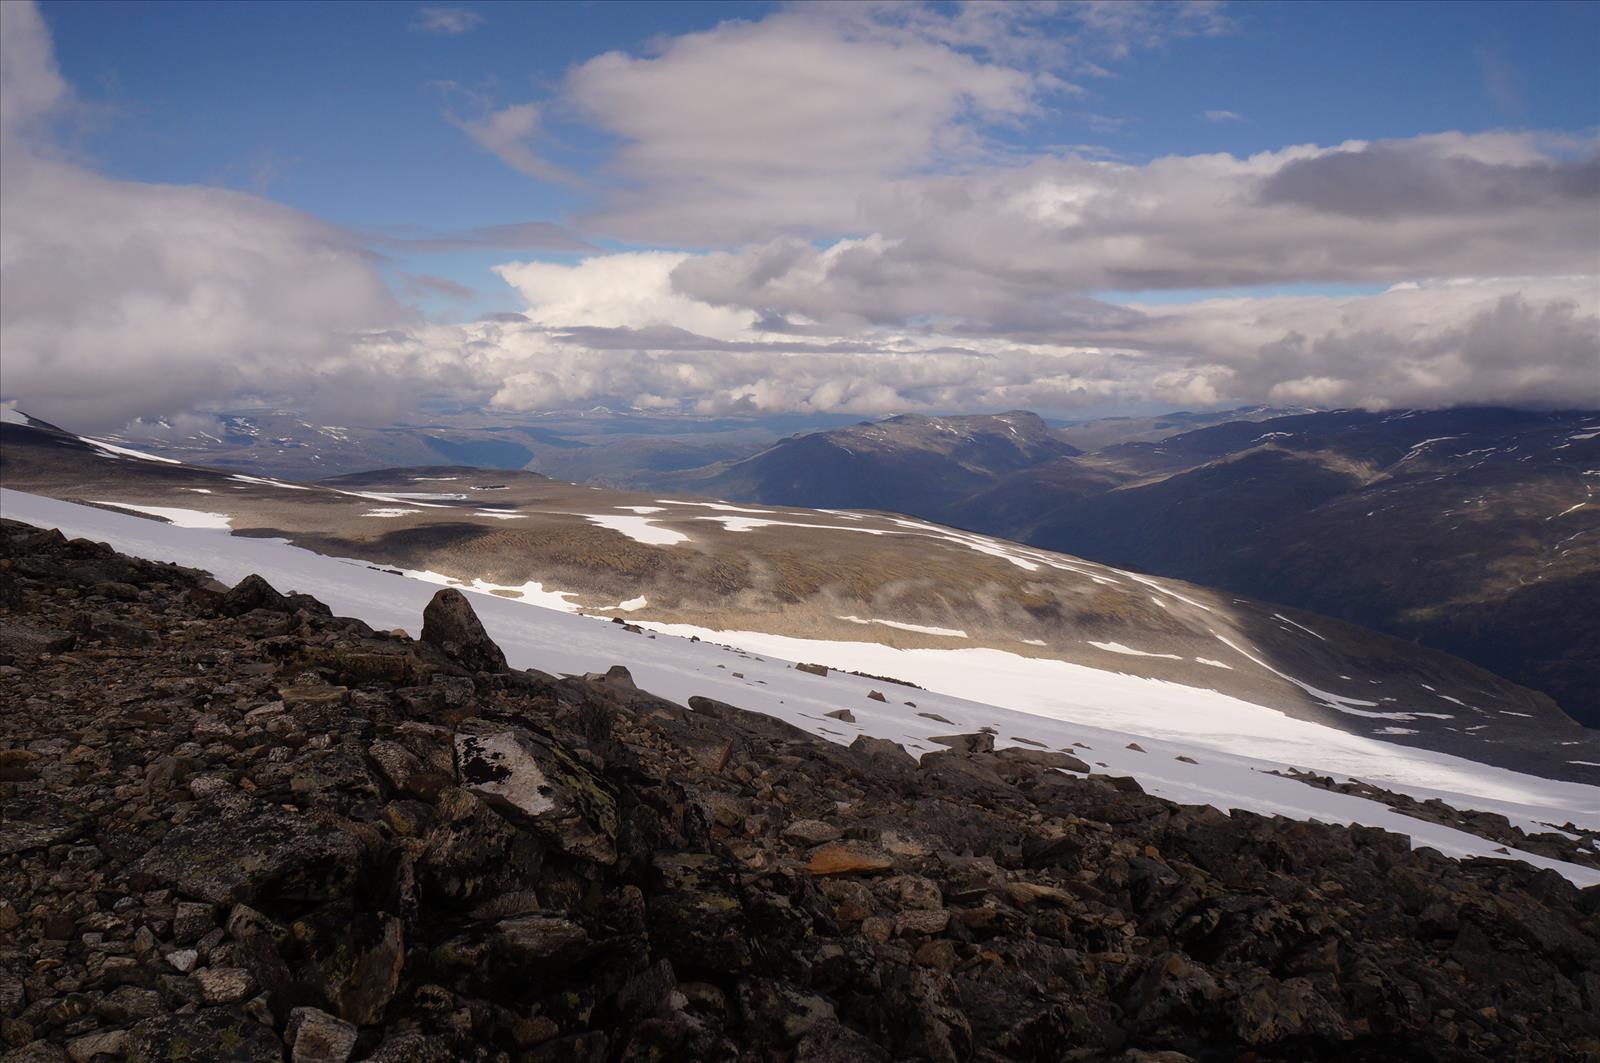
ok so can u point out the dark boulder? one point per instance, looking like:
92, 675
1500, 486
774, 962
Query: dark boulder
450, 624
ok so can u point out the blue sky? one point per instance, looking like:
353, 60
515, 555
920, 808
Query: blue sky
800, 209
339, 109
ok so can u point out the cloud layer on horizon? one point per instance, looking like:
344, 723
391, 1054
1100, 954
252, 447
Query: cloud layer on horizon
864, 244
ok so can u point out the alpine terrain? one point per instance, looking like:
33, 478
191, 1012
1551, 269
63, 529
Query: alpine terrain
916, 532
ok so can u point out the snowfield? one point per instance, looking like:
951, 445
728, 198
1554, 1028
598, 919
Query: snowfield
1236, 745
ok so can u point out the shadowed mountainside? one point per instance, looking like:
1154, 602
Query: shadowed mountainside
1470, 530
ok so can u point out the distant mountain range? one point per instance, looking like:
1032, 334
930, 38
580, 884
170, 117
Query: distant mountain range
598, 445
1472, 530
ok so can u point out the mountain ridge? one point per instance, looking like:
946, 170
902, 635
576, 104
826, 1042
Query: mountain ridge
1337, 512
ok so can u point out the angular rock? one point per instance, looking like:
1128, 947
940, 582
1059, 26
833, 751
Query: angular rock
192, 922
217, 1035
1044, 758
544, 942
253, 592
354, 959
977, 742
450, 624
848, 860
255, 851
811, 832
100, 1044
315, 1036
891, 753
540, 785
404, 772
19, 642
224, 985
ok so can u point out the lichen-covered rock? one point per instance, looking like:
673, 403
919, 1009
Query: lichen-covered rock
225, 856
314, 1036
536, 783
217, 1035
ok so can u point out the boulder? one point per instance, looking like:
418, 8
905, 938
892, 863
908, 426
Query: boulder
848, 859
450, 624
256, 850
314, 1036
253, 592
538, 784
218, 1035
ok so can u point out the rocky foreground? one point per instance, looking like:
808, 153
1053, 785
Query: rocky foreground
234, 827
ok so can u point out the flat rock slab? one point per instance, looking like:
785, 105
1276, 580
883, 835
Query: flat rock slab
848, 860
218, 1035
538, 784
32, 822
22, 641
237, 858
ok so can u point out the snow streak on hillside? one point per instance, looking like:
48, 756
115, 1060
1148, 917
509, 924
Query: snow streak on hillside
1233, 744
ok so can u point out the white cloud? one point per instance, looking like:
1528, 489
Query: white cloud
1014, 249
509, 134
823, 110
1222, 116
872, 250
1533, 341
629, 290
120, 298
448, 21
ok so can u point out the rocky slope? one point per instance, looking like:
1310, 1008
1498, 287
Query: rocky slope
235, 827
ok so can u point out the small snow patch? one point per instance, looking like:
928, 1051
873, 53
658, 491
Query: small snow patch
1117, 647
948, 632
124, 452
639, 529
183, 518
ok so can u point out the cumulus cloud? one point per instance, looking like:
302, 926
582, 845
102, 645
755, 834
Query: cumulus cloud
999, 249
823, 110
631, 289
1532, 341
1414, 179
119, 299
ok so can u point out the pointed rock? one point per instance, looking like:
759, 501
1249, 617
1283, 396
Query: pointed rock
450, 624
